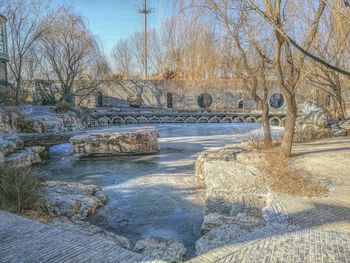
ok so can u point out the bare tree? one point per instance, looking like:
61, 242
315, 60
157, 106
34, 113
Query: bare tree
122, 58
70, 54
289, 65
24, 17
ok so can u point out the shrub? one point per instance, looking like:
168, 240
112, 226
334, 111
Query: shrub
18, 189
63, 107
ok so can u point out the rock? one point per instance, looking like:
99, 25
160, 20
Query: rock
46, 139
218, 237
224, 180
25, 158
52, 122
345, 125
135, 100
315, 123
72, 200
214, 220
160, 248
88, 229
10, 143
223, 155
124, 142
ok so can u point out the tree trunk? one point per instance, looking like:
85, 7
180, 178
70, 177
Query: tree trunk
288, 135
265, 122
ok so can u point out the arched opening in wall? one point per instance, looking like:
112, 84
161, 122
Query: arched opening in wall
169, 100
99, 99
204, 100
276, 101
241, 104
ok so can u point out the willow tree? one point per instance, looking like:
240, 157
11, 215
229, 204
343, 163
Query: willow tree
70, 54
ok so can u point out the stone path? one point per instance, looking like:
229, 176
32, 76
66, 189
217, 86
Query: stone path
24, 240
293, 246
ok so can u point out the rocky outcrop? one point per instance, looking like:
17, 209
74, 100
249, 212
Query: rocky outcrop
223, 154
13, 153
26, 157
51, 122
345, 125
125, 142
72, 200
160, 248
13, 120
88, 229
10, 143
219, 237
314, 123
232, 206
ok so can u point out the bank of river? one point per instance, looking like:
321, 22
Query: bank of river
151, 195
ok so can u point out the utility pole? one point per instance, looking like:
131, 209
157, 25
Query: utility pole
145, 11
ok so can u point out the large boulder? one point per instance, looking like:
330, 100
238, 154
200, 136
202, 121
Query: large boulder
161, 248
219, 237
13, 120
52, 122
314, 123
124, 142
26, 157
232, 206
72, 200
225, 154
10, 143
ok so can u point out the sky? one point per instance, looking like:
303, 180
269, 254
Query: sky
112, 20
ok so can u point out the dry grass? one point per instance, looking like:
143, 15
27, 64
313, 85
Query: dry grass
257, 144
19, 193
282, 178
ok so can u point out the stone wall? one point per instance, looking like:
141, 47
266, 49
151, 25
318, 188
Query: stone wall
226, 94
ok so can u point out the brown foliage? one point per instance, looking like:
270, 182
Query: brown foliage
282, 178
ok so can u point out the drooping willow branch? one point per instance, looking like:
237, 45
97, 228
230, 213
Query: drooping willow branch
294, 43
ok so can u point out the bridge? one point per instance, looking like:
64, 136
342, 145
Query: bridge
108, 117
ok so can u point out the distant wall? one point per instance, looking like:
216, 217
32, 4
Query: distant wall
226, 95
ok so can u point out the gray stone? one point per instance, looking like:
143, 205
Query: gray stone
160, 248
25, 158
10, 143
315, 123
224, 180
72, 200
226, 154
125, 142
345, 125
219, 236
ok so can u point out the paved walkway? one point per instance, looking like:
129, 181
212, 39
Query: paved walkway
24, 240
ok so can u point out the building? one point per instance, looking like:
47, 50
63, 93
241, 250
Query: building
3, 50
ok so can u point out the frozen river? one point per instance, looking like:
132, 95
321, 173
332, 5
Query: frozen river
150, 195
